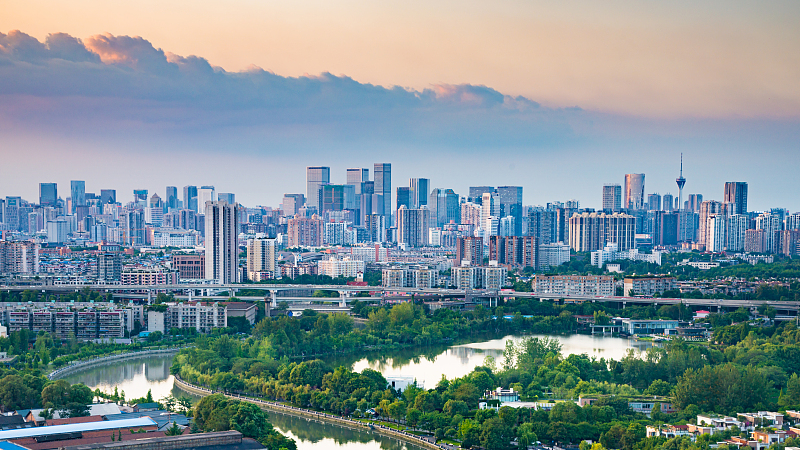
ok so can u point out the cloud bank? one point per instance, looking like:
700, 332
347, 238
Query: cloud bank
121, 79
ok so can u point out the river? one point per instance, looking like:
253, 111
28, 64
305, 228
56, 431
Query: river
136, 376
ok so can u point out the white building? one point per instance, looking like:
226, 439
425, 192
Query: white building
222, 248
334, 233
716, 233
552, 255
344, 267
201, 317
262, 256
19, 257
610, 253
771, 224
506, 227
170, 237
466, 277
57, 231
737, 226
370, 254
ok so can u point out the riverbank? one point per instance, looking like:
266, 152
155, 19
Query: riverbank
325, 417
85, 364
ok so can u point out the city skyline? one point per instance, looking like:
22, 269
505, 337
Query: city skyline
591, 199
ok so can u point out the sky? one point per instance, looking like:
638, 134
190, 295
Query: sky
557, 97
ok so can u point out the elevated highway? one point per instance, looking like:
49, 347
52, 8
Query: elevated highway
347, 294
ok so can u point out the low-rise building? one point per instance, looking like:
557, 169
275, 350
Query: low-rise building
201, 317
189, 266
639, 327
648, 286
149, 276
344, 267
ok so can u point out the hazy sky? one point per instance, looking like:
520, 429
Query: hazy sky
559, 97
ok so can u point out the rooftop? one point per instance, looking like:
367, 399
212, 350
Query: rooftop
77, 427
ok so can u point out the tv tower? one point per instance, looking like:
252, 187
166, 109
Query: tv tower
681, 182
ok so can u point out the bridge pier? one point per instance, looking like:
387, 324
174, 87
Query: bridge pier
274, 295
149, 297
343, 298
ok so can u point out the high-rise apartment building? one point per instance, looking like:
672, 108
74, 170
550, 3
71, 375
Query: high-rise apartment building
316, 177
222, 248
612, 197
634, 190
305, 231
262, 258
792, 222
510, 198
172, 198
470, 249
412, 226
592, 231
737, 229
140, 196
419, 190
383, 187
771, 225
707, 208
48, 194
736, 193
204, 195
542, 225
109, 263
716, 232
19, 257
132, 224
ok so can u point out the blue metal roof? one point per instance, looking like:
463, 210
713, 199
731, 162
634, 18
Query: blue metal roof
75, 427
5, 445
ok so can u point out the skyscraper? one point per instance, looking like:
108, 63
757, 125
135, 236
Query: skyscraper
140, 195
403, 197
654, 202
77, 194
419, 189
292, 203
190, 198
48, 194
736, 193
634, 190
338, 197
612, 197
476, 193
316, 177
357, 176
592, 231
222, 249
694, 202
172, 197
108, 196
444, 207
668, 202
511, 205
205, 194
383, 186
227, 197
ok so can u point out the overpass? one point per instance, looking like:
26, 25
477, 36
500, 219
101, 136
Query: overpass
346, 295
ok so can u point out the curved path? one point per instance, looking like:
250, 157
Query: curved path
87, 363
422, 441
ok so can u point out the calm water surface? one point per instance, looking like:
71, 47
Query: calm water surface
137, 376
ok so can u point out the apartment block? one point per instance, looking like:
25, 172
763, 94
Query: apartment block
201, 317
648, 286
189, 266
567, 285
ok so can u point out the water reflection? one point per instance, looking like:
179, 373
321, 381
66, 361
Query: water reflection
314, 435
134, 376
429, 365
